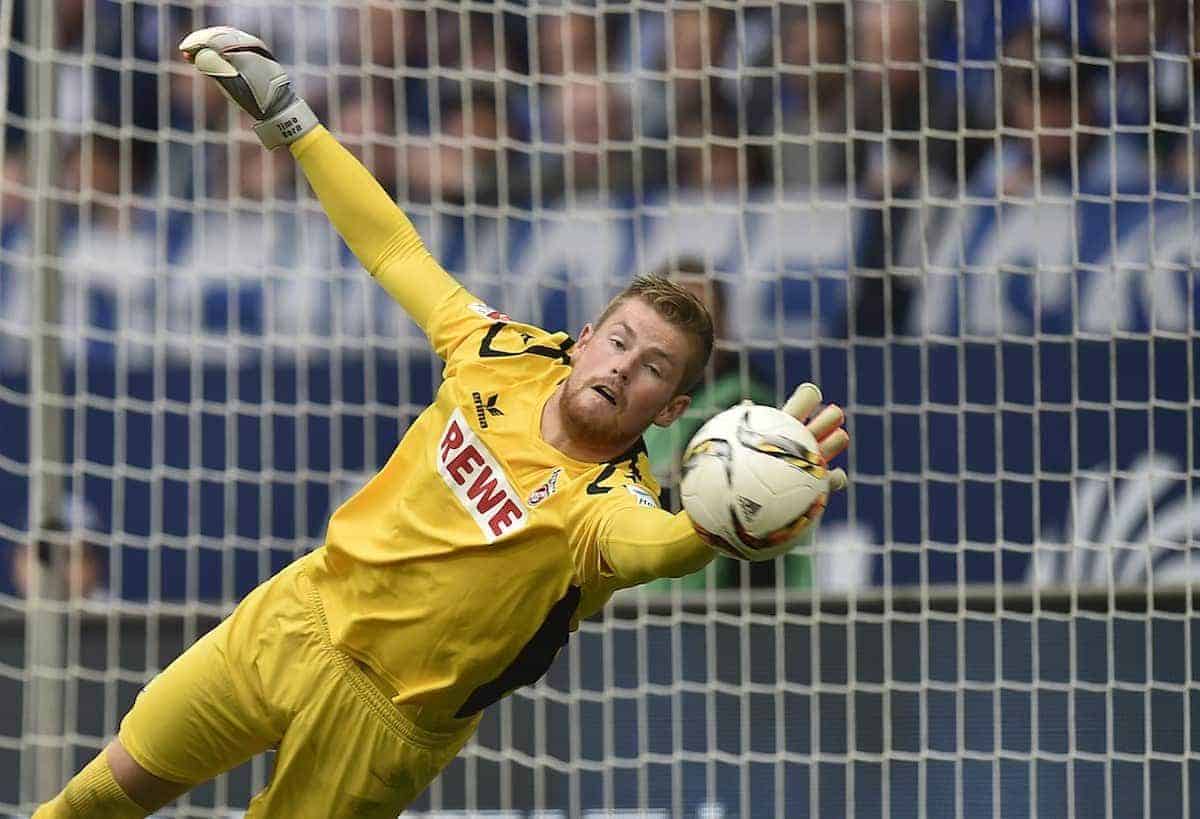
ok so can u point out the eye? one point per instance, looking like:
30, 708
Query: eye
655, 370
618, 343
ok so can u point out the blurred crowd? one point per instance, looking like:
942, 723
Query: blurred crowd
885, 108
882, 104
528, 106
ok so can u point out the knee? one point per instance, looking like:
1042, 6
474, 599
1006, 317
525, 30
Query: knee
113, 786
139, 785
58, 808
93, 792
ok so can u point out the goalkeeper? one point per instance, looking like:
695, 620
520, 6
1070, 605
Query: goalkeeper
514, 506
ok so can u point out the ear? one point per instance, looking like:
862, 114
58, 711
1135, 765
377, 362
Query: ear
674, 408
585, 335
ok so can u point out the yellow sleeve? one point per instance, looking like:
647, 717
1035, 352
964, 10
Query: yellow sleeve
641, 544
378, 232
624, 539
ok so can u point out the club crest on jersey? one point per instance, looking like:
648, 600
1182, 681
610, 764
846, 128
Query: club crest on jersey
489, 313
545, 490
643, 495
477, 480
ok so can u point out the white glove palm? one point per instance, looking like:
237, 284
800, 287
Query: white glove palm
249, 75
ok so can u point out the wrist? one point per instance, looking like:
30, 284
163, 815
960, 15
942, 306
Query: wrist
284, 128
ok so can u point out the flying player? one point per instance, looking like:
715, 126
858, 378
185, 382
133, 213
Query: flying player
513, 507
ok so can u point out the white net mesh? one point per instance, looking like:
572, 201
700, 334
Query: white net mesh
973, 223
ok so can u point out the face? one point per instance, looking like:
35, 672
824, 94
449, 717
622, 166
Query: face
706, 292
83, 571
568, 43
625, 376
1050, 115
888, 33
1127, 32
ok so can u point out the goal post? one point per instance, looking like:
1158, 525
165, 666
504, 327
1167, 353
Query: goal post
973, 222
45, 633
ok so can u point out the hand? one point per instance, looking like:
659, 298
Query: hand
826, 427
249, 75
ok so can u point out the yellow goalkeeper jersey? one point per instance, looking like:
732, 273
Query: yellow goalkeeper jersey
459, 570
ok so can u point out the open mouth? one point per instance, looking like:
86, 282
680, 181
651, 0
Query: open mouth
607, 393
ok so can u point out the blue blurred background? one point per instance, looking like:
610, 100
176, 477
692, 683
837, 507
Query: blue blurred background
980, 239
973, 223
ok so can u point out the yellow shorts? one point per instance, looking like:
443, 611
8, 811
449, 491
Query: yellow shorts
268, 676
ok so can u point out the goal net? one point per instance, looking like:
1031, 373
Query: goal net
973, 222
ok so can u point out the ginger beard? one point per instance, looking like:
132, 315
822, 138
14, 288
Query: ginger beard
589, 416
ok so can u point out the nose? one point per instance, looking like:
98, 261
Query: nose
622, 367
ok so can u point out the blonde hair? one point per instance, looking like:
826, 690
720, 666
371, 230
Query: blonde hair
678, 307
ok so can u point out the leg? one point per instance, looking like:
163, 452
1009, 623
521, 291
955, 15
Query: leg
348, 751
143, 787
202, 715
111, 785
98, 790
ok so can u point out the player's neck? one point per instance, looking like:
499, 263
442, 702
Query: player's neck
554, 432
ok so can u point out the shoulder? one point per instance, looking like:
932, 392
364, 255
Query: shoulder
505, 338
626, 480
466, 326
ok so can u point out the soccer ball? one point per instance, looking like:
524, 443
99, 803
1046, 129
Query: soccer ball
751, 477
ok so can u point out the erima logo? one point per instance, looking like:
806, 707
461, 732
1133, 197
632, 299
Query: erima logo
749, 508
482, 410
478, 481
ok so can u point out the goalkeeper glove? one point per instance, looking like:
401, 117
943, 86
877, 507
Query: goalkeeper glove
826, 427
249, 75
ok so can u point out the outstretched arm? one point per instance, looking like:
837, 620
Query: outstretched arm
378, 232
641, 544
